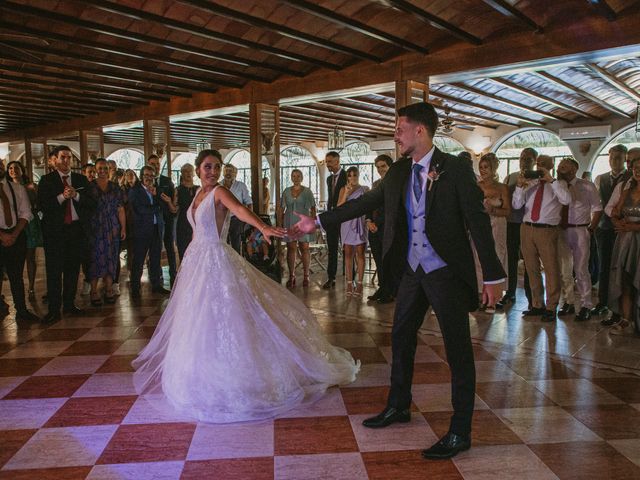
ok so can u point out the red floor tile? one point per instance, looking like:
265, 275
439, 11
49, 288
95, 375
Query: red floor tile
486, 428
143, 332
626, 388
540, 368
12, 441
117, 364
343, 327
479, 353
407, 465
299, 436
512, 394
66, 473
20, 367
48, 387
383, 339
361, 400
100, 347
92, 411
148, 443
260, 468
122, 320
61, 334
586, 461
432, 372
609, 421
367, 354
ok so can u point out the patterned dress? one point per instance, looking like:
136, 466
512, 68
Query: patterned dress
104, 240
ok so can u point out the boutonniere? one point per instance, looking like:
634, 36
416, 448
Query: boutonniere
433, 176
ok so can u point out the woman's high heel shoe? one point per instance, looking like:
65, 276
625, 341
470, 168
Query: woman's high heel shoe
95, 300
358, 290
291, 282
349, 288
305, 281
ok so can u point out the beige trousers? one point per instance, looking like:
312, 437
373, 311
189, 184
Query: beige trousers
541, 244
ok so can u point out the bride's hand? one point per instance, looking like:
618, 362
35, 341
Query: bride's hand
269, 231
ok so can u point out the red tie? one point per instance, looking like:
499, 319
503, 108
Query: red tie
537, 203
68, 218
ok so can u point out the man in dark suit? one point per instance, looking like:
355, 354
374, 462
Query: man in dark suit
335, 182
66, 208
144, 202
164, 185
430, 202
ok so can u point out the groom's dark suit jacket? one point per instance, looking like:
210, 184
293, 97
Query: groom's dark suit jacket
454, 207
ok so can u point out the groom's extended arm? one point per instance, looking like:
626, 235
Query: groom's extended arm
470, 197
354, 208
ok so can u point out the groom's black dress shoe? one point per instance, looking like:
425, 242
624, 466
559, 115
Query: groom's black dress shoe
388, 416
448, 446
329, 284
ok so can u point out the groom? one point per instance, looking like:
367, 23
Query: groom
430, 200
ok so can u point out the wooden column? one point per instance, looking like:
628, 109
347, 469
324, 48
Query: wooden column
157, 140
264, 125
91, 145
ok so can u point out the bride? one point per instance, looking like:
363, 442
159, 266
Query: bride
232, 345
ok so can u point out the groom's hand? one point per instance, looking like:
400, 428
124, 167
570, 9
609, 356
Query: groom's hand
306, 224
491, 293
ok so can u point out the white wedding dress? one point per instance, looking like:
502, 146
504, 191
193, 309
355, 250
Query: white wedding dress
233, 345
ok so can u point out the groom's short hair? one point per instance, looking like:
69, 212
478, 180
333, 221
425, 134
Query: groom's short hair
422, 113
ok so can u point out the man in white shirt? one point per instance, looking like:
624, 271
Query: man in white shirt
579, 220
241, 192
543, 199
15, 214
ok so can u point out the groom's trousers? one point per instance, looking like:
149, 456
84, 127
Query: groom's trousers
442, 290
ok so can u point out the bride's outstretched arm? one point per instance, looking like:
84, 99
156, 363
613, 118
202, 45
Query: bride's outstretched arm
223, 195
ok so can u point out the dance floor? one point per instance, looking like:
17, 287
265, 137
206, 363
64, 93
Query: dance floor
553, 401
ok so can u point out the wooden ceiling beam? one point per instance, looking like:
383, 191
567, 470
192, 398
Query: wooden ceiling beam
333, 114
133, 68
511, 103
543, 98
34, 104
279, 29
519, 118
76, 79
292, 118
55, 98
604, 9
352, 24
202, 31
365, 113
508, 10
435, 21
113, 49
615, 81
583, 93
140, 38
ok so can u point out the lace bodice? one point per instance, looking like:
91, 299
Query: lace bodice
203, 223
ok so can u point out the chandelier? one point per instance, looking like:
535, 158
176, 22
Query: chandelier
202, 146
336, 138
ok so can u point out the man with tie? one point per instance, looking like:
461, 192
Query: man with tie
578, 222
431, 201
542, 199
335, 182
16, 214
66, 208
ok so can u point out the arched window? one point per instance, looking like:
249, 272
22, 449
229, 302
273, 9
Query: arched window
128, 158
360, 155
627, 137
545, 142
300, 158
241, 159
448, 144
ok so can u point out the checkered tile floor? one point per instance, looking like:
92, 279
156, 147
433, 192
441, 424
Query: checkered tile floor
68, 409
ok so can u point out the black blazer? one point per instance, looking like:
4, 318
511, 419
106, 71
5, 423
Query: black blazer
49, 188
334, 194
165, 185
454, 208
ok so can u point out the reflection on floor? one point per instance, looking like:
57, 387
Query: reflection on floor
553, 401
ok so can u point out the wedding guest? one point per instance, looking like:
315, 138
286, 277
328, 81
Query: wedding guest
144, 202
375, 227
66, 208
14, 218
297, 199
241, 192
113, 171
164, 186
108, 229
186, 193
624, 285
335, 182
266, 196
33, 230
89, 171
353, 233
129, 180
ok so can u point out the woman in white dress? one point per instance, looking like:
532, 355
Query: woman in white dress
232, 345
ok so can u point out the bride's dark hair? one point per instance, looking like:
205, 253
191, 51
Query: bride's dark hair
207, 153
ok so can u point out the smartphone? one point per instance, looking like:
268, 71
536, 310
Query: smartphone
533, 174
